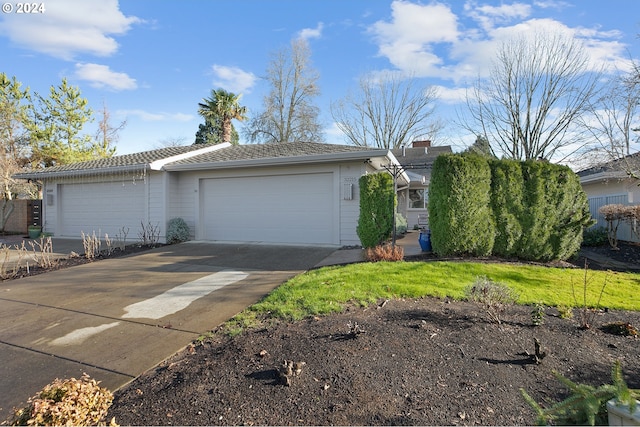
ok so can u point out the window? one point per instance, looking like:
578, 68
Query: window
418, 198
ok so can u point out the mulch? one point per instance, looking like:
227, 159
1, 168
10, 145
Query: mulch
421, 361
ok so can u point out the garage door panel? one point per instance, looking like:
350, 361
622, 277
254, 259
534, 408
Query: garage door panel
278, 208
104, 207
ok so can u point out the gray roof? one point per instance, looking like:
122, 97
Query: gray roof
125, 161
419, 160
227, 154
618, 165
241, 153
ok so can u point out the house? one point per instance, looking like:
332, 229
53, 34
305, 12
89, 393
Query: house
292, 193
609, 183
417, 162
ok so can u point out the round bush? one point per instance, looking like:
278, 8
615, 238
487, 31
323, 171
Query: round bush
177, 231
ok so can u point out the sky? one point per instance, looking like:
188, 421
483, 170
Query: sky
151, 62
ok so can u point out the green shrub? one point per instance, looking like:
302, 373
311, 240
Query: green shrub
506, 203
460, 216
595, 236
530, 210
67, 402
377, 202
493, 296
177, 231
401, 224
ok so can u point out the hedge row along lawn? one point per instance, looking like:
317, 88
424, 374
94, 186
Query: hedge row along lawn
330, 289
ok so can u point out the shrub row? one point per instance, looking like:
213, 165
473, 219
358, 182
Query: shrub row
531, 210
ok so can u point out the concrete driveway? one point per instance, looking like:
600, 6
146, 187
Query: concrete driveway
115, 319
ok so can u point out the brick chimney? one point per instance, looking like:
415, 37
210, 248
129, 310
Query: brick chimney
425, 143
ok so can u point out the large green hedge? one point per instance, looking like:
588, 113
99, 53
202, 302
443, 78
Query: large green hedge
506, 204
532, 210
460, 217
377, 202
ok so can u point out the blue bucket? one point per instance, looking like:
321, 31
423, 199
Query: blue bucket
425, 241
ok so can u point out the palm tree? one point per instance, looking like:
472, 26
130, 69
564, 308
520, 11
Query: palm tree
222, 107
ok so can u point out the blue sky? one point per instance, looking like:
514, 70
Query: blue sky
152, 61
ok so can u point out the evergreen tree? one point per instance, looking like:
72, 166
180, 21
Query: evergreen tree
55, 125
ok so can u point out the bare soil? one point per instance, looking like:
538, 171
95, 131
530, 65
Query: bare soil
415, 362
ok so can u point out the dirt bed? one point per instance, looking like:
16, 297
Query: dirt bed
418, 362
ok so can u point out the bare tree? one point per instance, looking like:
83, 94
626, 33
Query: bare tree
172, 141
107, 135
289, 113
387, 112
538, 88
614, 121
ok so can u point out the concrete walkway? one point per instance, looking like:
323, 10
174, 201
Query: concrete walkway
116, 318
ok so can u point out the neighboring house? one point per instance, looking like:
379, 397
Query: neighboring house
417, 161
293, 193
609, 183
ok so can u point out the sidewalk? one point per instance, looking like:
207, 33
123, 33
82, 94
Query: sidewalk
409, 242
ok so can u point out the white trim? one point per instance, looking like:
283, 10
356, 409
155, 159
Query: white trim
159, 164
278, 161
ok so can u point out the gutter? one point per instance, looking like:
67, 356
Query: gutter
603, 176
275, 161
43, 175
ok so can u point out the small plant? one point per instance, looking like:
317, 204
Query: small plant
565, 311
594, 236
149, 234
494, 296
586, 311
384, 253
621, 328
121, 238
353, 330
587, 405
91, 244
537, 314
43, 252
8, 268
177, 231
67, 402
401, 224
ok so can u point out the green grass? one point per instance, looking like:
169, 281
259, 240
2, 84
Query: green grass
329, 289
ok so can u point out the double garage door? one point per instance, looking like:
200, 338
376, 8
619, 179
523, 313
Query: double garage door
276, 208
104, 207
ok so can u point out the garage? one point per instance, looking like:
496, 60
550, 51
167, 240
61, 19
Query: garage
297, 208
98, 207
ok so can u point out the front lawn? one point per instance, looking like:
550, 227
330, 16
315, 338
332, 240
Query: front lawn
329, 289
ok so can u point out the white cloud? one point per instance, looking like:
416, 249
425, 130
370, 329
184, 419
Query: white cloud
101, 76
408, 39
233, 79
156, 117
427, 40
490, 16
449, 95
311, 33
70, 27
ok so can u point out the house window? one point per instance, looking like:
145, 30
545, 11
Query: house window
418, 198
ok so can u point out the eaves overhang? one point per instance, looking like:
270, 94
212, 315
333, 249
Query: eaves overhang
278, 161
603, 176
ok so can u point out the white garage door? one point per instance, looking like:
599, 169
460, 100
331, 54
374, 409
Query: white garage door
275, 209
104, 207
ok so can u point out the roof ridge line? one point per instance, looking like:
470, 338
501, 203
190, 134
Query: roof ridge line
159, 164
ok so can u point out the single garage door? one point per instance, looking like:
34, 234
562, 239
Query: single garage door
106, 207
274, 208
